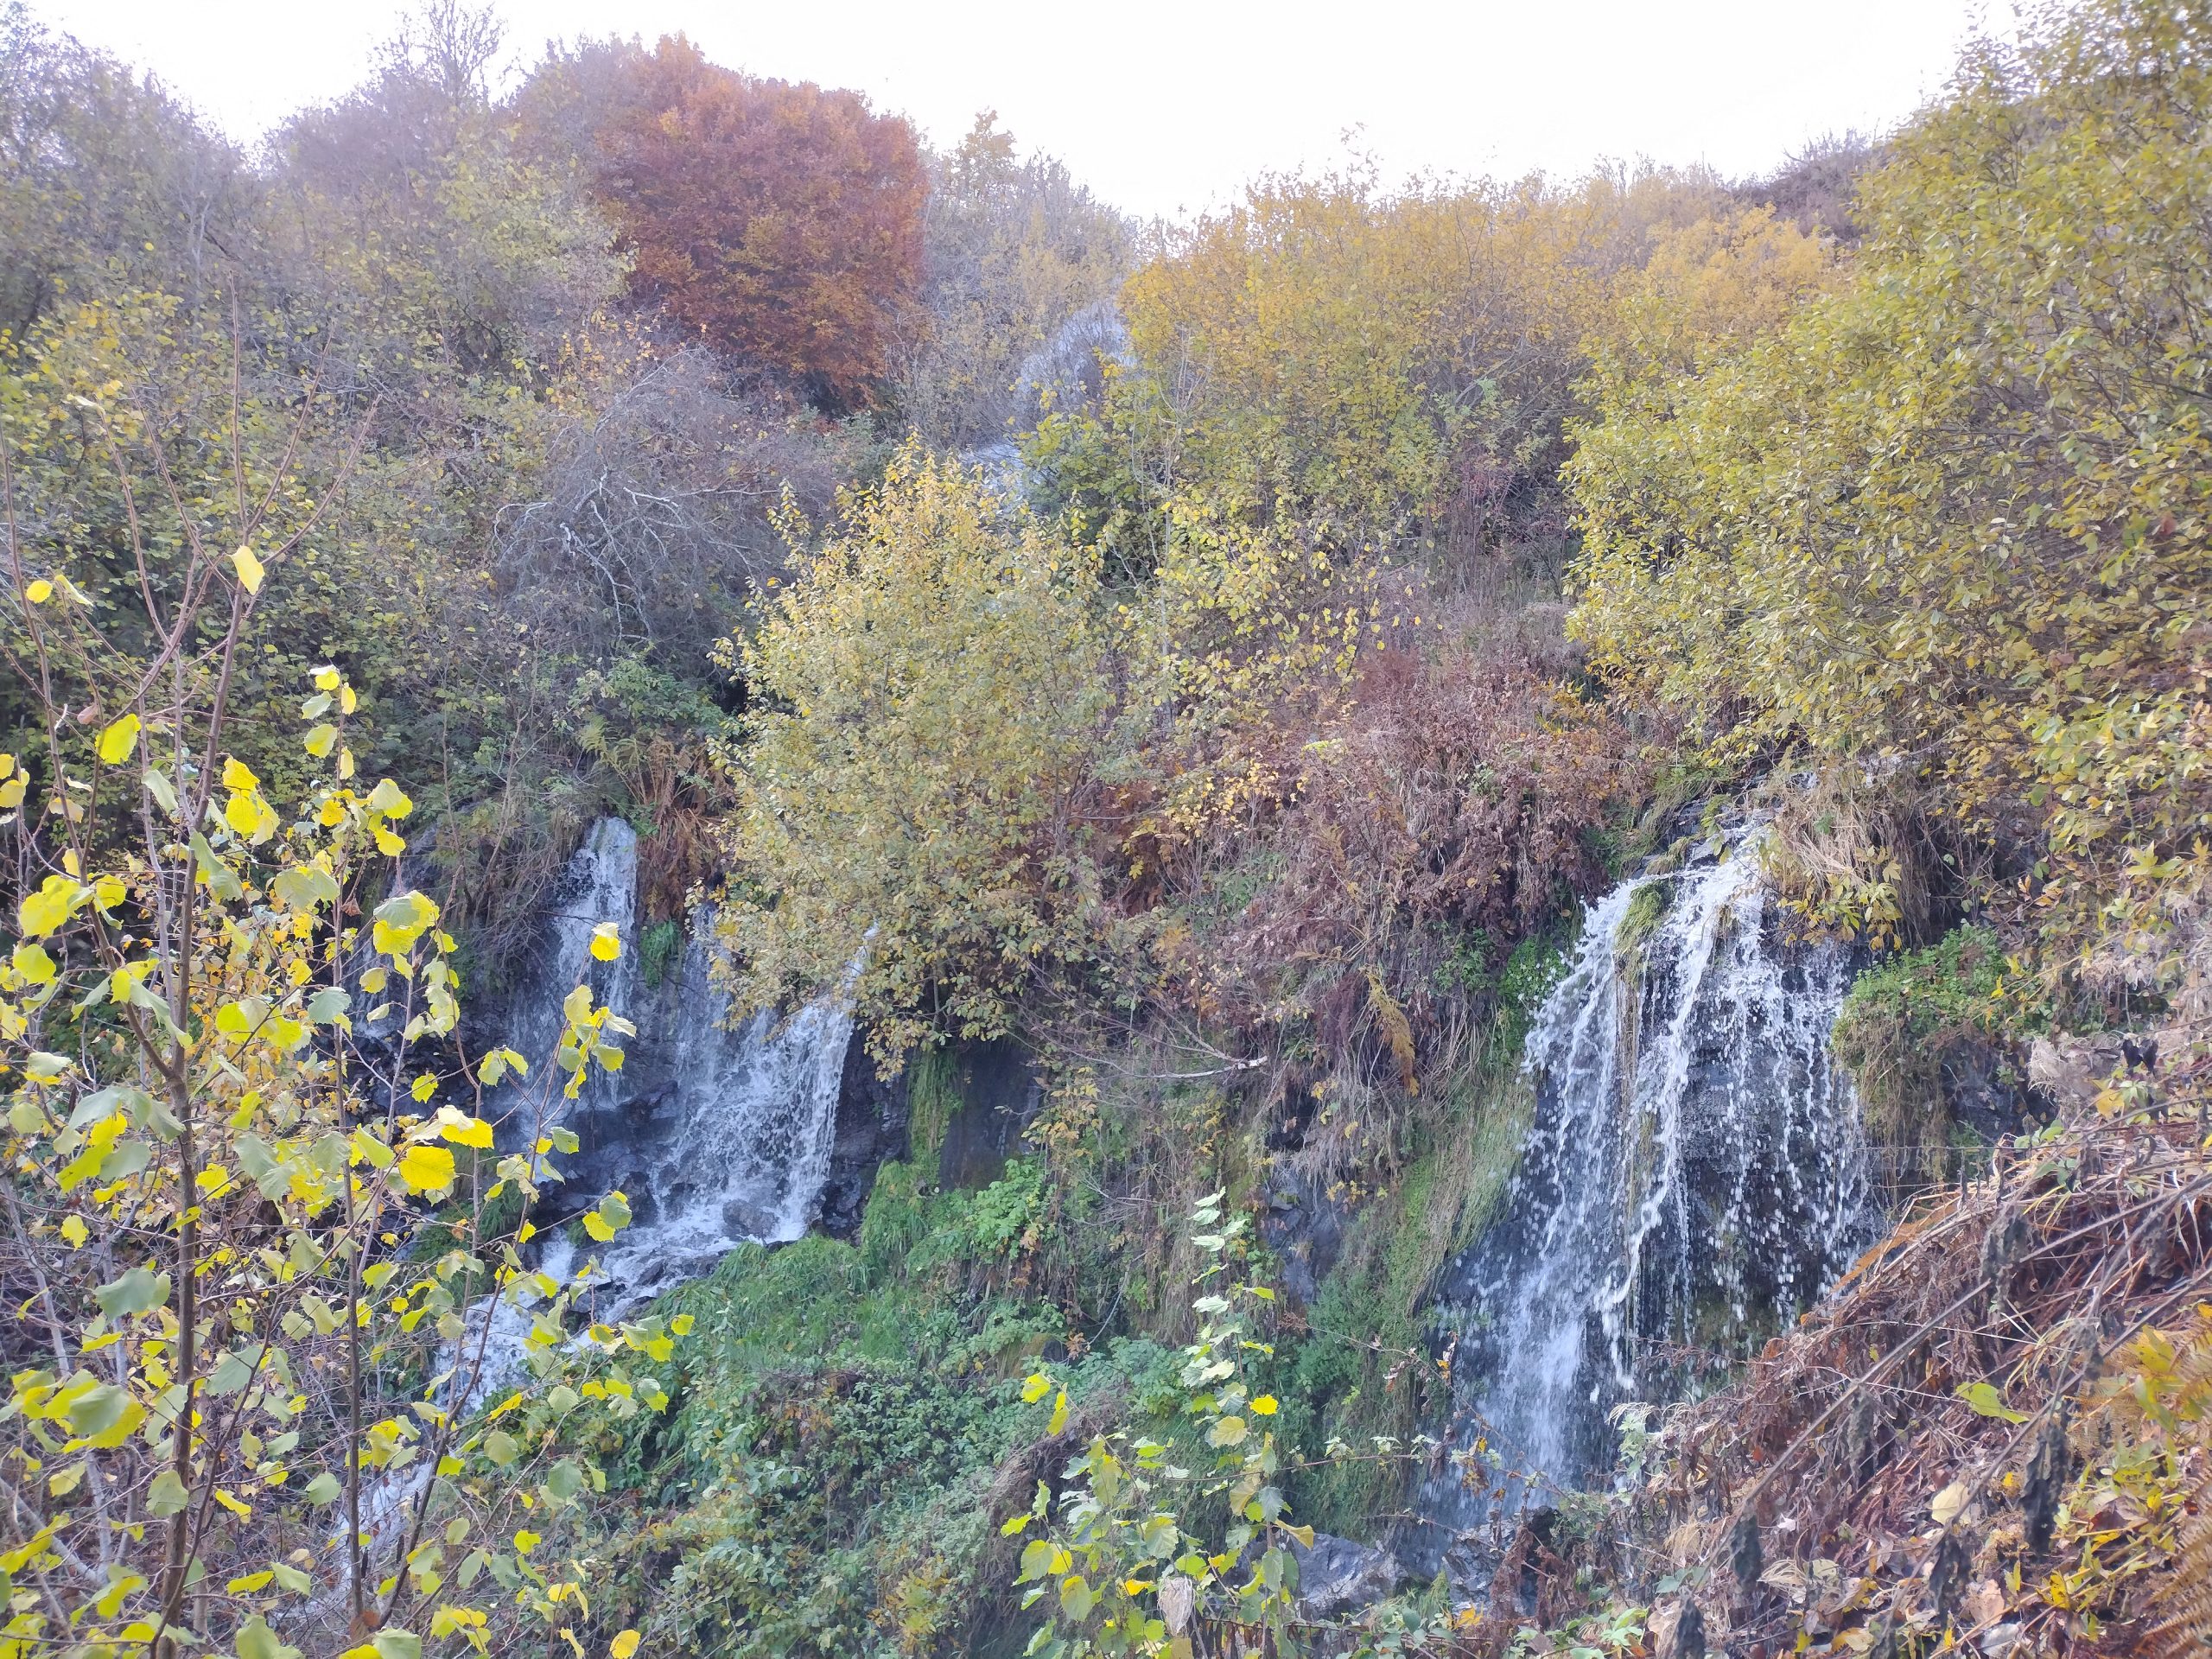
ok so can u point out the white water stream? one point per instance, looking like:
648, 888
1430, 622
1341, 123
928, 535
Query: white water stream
716, 1134
1695, 1174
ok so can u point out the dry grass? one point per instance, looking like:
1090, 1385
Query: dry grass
1952, 1426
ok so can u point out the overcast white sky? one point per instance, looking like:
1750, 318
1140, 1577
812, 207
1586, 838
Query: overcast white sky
1164, 106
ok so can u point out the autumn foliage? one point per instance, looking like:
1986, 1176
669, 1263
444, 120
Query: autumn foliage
780, 221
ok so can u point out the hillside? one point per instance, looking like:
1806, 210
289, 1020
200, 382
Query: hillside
776, 893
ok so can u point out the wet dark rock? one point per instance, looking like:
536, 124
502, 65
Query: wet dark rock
999, 1094
1304, 1224
1337, 1576
871, 1130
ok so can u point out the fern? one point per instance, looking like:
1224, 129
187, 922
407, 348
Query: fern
2183, 1601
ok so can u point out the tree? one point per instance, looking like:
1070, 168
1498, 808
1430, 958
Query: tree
246, 1403
105, 180
779, 222
1950, 521
1015, 252
928, 700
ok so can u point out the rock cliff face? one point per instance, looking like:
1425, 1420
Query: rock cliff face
993, 1092
870, 1130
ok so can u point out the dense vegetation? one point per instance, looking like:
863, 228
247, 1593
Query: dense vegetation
1204, 669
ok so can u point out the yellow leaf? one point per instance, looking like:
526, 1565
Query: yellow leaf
244, 813
1264, 1406
606, 942
624, 1645
462, 1129
426, 1168
38, 592
390, 799
319, 741
326, 678
73, 1230
117, 741
55, 901
249, 569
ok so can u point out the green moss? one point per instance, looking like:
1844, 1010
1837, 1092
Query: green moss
932, 1097
1647, 910
1536, 965
1905, 1018
1363, 1370
658, 950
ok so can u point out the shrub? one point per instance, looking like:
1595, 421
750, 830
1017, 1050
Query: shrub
1984, 558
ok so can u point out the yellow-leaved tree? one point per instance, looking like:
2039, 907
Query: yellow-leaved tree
260, 1244
1951, 521
928, 701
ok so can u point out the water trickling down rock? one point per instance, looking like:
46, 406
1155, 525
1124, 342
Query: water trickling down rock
716, 1134
1696, 1172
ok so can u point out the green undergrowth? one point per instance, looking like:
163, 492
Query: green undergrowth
847, 1429
1363, 1374
1910, 1017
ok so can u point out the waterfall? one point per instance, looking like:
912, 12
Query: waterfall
736, 1145
1694, 1175
716, 1134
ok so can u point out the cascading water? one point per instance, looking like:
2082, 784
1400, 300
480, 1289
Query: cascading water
1696, 1173
735, 1145
716, 1134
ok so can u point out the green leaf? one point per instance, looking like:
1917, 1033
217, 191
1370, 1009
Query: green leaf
254, 1640
1077, 1597
323, 1488
135, 1293
303, 887
1988, 1403
163, 791
103, 1416
166, 1495
611, 1216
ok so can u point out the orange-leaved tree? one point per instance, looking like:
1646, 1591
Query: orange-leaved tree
781, 221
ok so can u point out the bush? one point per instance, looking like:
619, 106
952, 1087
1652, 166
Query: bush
928, 701
1982, 560
1906, 1017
